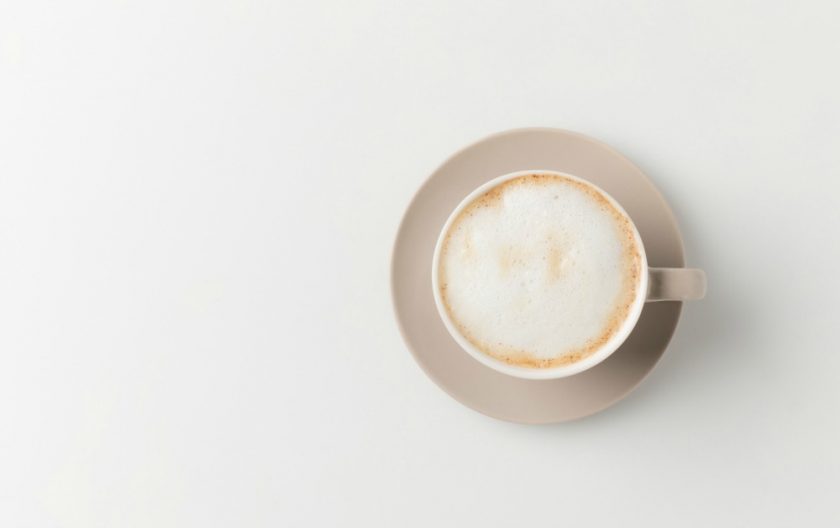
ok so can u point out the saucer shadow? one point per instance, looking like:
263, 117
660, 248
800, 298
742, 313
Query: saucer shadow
709, 332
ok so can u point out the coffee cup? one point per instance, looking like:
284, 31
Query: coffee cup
541, 274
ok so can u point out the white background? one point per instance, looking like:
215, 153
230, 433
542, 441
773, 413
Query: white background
197, 206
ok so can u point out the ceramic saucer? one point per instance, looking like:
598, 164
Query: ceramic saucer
456, 372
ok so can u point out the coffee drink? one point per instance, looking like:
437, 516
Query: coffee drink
539, 271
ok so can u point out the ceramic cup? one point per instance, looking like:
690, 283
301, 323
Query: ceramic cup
656, 284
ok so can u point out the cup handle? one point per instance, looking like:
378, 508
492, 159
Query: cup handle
675, 284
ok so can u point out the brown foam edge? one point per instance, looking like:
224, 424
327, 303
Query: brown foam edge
524, 358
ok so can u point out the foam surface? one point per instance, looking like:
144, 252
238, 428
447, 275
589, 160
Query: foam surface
540, 271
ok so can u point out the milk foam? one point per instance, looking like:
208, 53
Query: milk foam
540, 271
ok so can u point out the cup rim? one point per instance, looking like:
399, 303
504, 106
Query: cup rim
554, 372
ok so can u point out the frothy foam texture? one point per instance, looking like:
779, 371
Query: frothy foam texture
539, 271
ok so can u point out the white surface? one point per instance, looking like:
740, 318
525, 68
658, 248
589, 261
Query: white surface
197, 204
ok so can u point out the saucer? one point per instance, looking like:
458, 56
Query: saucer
445, 362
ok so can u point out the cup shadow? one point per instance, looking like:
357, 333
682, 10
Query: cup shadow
710, 333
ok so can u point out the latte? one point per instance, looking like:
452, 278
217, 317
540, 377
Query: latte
540, 271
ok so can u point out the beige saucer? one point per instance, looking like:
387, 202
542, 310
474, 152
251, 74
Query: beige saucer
464, 378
